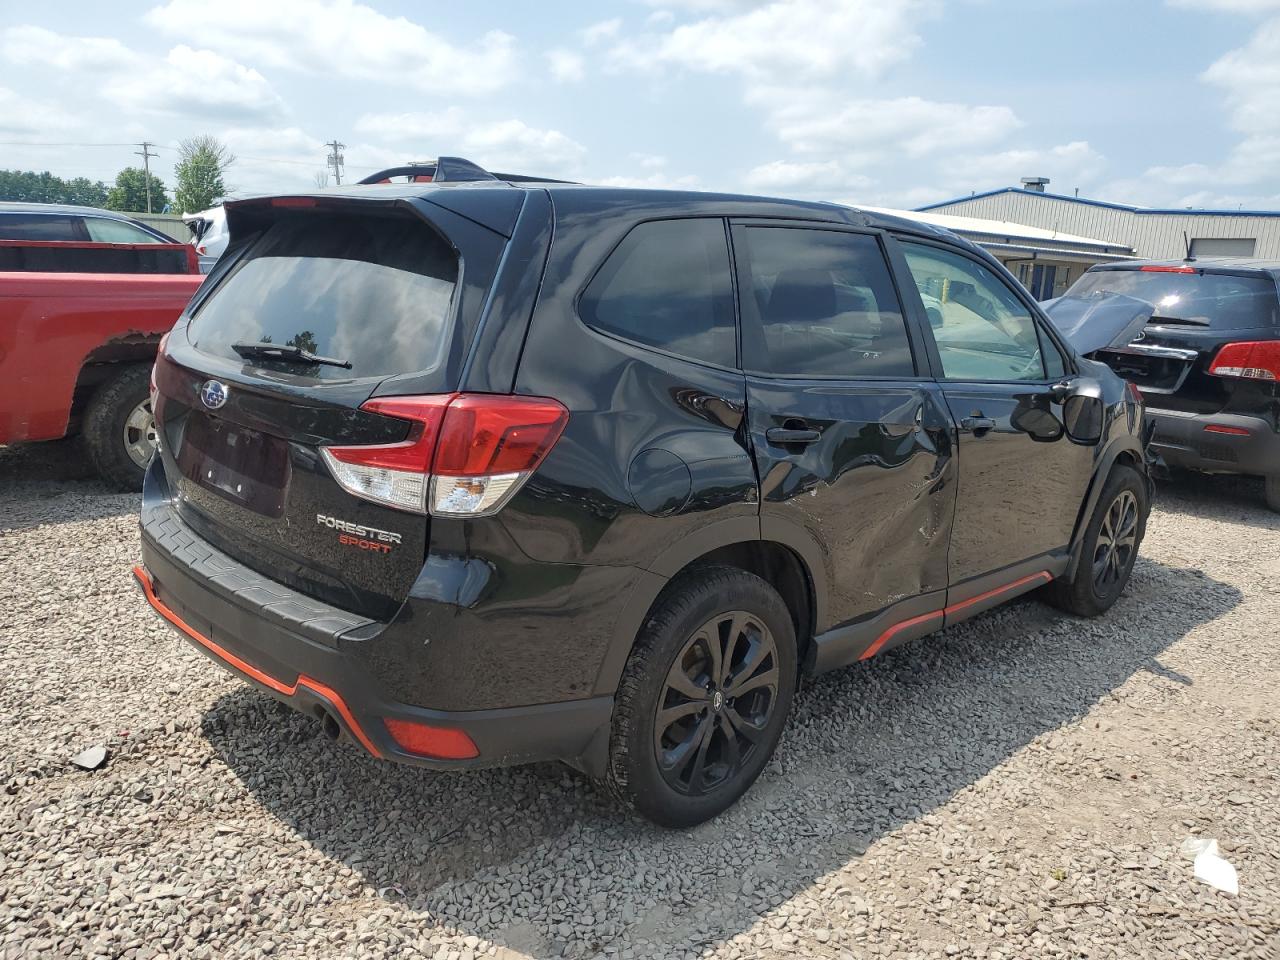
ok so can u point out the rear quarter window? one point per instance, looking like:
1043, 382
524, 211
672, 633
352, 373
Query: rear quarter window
668, 285
373, 290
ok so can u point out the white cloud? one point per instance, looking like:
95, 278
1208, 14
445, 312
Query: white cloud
342, 36
566, 66
785, 39
36, 45
866, 130
26, 117
654, 181
508, 145
819, 178
597, 33
1229, 6
195, 83
1067, 166
650, 161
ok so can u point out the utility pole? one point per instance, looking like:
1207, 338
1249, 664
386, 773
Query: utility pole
335, 159
146, 155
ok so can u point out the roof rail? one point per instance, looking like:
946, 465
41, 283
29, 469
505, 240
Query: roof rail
450, 170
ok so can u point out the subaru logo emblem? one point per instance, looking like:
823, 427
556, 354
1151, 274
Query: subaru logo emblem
214, 394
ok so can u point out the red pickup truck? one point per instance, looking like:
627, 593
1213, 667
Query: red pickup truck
76, 351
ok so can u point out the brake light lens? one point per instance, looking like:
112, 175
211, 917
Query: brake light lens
1252, 360
1153, 269
155, 391
466, 454
1227, 431
424, 740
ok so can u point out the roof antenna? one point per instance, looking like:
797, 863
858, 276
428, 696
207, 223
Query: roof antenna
1187, 243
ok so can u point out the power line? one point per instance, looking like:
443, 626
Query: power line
146, 155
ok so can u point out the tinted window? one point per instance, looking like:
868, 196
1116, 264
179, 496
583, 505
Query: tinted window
1055, 366
821, 303
374, 291
37, 226
667, 285
983, 331
1218, 300
102, 230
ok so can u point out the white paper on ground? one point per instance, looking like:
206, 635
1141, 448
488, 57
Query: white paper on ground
1215, 871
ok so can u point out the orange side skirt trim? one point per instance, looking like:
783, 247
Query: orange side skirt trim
897, 628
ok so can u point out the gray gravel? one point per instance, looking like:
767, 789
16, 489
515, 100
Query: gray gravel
1016, 787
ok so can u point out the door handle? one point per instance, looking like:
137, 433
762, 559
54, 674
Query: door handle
782, 436
978, 426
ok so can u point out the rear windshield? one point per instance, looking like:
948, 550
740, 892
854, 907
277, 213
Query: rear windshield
1212, 299
374, 291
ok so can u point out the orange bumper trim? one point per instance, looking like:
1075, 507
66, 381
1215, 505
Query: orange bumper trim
252, 672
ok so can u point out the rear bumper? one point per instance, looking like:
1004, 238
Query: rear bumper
303, 653
1217, 443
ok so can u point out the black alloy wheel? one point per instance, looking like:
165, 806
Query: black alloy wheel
1116, 542
716, 704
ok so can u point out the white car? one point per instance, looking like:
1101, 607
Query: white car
208, 234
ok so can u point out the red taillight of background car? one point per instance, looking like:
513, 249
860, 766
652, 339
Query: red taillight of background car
1252, 360
466, 454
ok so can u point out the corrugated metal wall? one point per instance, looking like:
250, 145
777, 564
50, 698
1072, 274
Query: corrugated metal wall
1154, 235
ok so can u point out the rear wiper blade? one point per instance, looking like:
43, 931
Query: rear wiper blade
1185, 321
261, 350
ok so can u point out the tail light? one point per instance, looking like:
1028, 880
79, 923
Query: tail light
466, 454
155, 391
1151, 268
1252, 360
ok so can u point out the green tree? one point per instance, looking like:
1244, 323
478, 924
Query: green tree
202, 163
31, 187
130, 192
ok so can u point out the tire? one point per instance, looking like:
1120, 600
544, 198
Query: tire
118, 406
1123, 506
1273, 492
720, 738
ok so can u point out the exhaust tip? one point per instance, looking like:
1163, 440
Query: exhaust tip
329, 725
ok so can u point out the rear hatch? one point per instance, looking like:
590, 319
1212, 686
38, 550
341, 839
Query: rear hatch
361, 298
1196, 310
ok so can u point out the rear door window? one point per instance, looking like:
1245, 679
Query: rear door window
39, 226
1218, 300
668, 285
102, 230
820, 303
375, 291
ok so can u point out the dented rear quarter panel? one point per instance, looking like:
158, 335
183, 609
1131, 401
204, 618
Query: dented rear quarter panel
52, 323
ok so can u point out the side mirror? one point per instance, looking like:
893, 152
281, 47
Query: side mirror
1082, 418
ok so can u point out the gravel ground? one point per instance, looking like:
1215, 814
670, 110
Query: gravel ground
1018, 786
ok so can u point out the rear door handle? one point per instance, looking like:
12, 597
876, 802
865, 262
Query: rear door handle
978, 426
787, 435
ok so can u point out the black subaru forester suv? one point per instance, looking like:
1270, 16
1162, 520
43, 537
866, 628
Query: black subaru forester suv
483, 472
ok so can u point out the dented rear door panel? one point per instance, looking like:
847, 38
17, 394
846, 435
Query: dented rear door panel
876, 491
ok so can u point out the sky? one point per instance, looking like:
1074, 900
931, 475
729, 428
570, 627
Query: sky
883, 102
